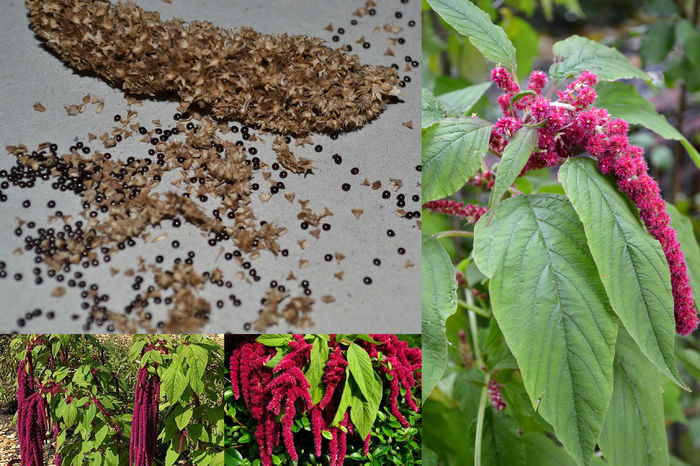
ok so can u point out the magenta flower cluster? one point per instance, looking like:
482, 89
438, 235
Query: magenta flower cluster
268, 391
494, 390
32, 418
470, 212
144, 424
572, 125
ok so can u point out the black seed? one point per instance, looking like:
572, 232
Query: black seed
117, 117
365, 45
354, 171
386, 194
346, 186
367, 281
377, 262
176, 244
328, 257
390, 233
401, 251
318, 148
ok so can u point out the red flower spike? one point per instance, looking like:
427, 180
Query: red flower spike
572, 125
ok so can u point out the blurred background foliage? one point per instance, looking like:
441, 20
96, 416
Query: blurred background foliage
660, 36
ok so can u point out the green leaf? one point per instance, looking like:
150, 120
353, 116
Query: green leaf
183, 418
551, 307
273, 339
689, 36
172, 455
689, 246
459, 102
657, 42
514, 158
360, 367
469, 20
542, 451
577, 54
364, 412
439, 302
623, 101
197, 359
173, 382
70, 412
345, 400
452, 151
432, 110
630, 262
634, 430
501, 443
327, 435
314, 374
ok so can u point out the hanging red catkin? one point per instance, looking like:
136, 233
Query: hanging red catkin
31, 415
144, 424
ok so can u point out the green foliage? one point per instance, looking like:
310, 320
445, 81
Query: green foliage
559, 298
452, 150
624, 252
89, 370
469, 20
439, 302
577, 54
514, 158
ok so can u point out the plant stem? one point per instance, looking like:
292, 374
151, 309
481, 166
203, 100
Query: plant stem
480, 422
451, 233
472, 307
479, 362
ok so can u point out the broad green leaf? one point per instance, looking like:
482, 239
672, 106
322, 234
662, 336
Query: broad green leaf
183, 418
429, 457
101, 434
542, 451
689, 246
631, 263
196, 382
657, 42
501, 444
514, 158
459, 102
364, 412
689, 36
345, 399
438, 303
469, 20
314, 374
623, 101
432, 109
360, 367
634, 430
70, 412
552, 309
273, 339
197, 359
172, 455
452, 151
173, 382
577, 54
